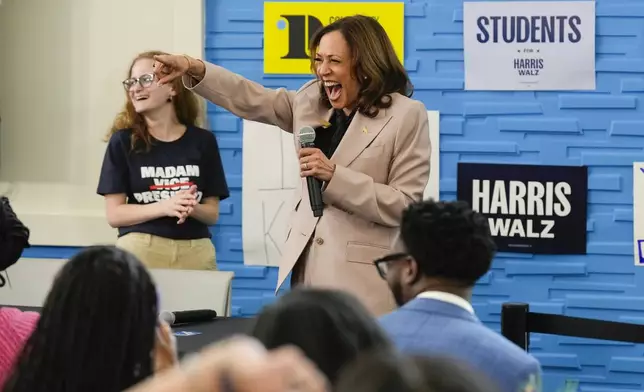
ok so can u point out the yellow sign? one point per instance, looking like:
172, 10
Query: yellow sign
289, 27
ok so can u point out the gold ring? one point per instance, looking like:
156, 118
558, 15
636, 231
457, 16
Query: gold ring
306, 166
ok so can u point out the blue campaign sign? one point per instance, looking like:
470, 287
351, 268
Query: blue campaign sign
530, 208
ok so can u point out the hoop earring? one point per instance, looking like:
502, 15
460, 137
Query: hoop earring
169, 99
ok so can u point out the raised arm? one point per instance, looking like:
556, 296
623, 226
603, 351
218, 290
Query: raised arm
384, 203
244, 98
240, 96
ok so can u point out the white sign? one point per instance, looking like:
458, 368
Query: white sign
638, 212
269, 180
529, 45
270, 176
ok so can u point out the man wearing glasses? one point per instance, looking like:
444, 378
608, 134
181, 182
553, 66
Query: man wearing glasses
448, 249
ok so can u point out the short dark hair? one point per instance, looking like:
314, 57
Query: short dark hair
448, 239
384, 372
330, 327
374, 62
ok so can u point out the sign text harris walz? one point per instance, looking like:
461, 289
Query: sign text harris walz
530, 208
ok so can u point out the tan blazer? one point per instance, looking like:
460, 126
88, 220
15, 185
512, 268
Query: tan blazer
382, 164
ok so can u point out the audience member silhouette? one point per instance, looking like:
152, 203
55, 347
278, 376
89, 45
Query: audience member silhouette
97, 327
331, 327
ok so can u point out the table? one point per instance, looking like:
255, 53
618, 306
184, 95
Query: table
199, 335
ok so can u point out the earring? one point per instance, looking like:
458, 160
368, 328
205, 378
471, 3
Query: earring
170, 99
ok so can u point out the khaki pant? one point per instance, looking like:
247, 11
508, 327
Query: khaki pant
159, 252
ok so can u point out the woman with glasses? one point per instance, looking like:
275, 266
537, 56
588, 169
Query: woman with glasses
162, 176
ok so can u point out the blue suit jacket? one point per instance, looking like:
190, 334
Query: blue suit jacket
433, 327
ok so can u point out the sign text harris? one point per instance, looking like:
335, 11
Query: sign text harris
530, 208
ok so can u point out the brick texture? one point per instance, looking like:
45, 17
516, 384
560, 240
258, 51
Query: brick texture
602, 129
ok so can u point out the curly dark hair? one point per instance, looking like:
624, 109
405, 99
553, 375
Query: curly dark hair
448, 239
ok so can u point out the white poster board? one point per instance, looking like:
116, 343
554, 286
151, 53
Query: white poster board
638, 212
529, 45
432, 190
270, 176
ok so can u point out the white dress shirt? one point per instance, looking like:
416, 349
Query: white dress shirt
449, 298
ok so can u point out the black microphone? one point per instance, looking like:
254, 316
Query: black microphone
307, 137
188, 316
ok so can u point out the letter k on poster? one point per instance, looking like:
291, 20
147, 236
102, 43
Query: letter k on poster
289, 27
529, 45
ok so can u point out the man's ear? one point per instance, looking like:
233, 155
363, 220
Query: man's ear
414, 272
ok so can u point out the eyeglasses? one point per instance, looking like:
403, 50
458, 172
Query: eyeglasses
144, 80
382, 264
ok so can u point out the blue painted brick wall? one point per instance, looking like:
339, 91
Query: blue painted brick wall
601, 129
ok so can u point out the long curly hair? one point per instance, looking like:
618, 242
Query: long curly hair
186, 105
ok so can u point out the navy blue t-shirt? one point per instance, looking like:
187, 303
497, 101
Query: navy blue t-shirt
168, 167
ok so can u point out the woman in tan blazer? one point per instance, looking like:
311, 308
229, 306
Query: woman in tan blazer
372, 151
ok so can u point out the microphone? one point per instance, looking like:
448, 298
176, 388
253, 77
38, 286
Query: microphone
188, 316
307, 136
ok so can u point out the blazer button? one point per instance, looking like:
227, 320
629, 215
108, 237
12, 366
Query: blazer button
319, 241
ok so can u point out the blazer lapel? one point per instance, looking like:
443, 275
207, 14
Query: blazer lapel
359, 135
319, 118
